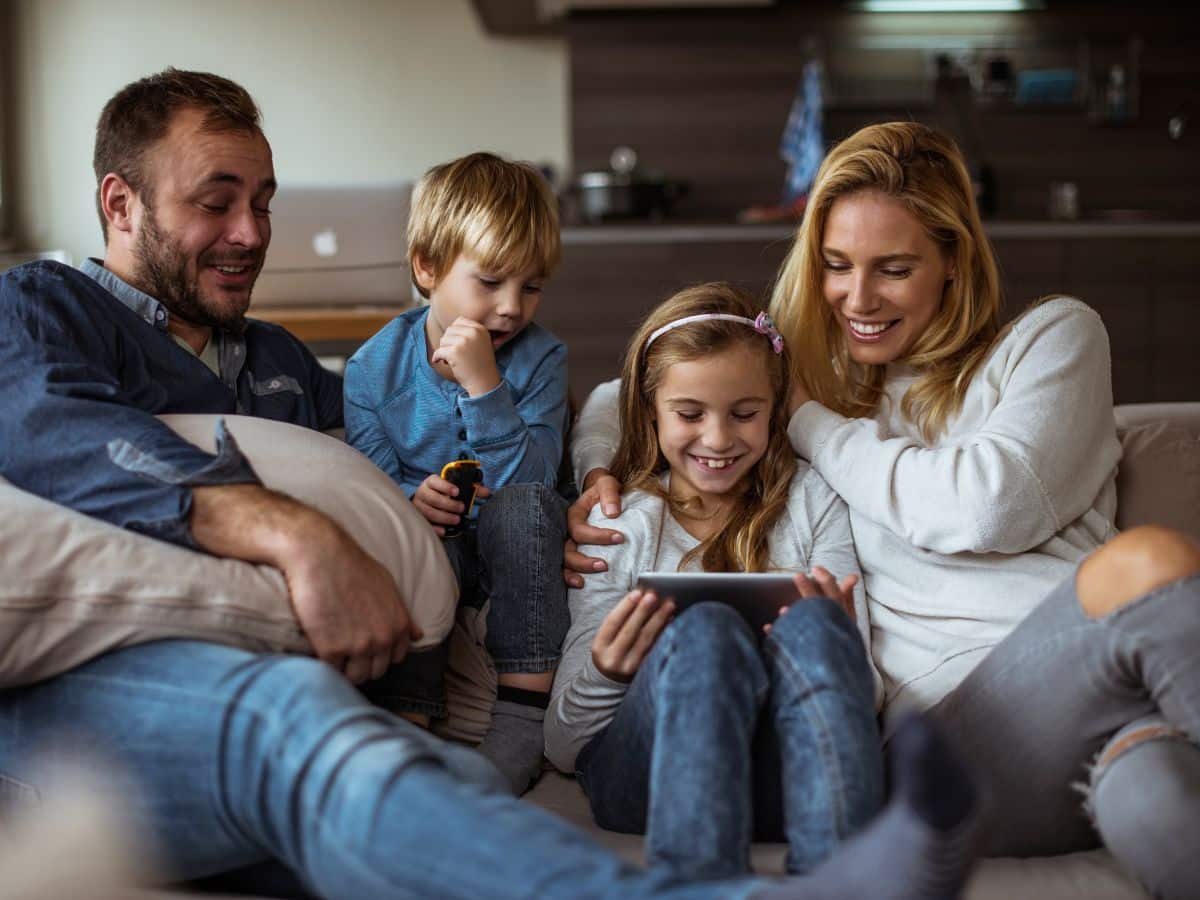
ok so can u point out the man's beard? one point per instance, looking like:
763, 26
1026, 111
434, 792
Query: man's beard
161, 269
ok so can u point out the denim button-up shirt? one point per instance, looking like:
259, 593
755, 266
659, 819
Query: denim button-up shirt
411, 421
87, 362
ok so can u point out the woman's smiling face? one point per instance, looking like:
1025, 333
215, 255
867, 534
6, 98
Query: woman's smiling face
883, 275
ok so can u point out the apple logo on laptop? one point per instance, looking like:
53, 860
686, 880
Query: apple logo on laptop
325, 243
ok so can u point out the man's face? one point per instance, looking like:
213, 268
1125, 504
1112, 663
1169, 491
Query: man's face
201, 243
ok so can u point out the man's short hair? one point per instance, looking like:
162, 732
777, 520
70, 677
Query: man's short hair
139, 115
503, 213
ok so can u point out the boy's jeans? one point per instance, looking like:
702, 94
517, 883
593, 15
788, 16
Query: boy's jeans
723, 738
512, 554
229, 758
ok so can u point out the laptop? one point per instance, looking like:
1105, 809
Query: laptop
337, 245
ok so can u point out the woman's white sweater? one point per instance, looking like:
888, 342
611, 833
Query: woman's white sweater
960, 539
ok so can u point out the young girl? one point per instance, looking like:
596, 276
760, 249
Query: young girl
699, 732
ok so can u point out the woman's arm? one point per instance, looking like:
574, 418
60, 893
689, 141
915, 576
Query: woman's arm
1037, 462
594, 441
597, 432
832, 548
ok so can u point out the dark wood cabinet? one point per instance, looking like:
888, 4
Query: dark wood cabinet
1146, 288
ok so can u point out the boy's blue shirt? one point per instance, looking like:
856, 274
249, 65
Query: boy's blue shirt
410, 421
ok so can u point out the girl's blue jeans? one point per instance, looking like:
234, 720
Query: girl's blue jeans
725, 737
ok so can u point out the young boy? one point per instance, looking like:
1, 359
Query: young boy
471, 377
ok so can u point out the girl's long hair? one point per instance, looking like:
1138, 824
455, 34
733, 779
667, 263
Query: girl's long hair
925, 171
743, 545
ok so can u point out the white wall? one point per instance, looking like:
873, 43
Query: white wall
351, 91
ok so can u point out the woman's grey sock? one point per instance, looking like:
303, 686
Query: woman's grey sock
921, 847
515, 744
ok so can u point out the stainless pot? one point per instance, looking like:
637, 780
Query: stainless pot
625, 191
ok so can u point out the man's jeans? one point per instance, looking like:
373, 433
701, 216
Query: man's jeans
512, 555
231, 758
723, 738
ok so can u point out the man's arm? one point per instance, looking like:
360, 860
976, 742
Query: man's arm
76, 428
346, 602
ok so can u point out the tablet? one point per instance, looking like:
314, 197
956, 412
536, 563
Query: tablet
756, 595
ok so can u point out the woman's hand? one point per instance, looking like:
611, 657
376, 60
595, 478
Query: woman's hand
820, 583
598, 487
628, 633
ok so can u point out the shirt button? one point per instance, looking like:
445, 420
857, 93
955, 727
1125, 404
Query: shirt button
462, 434
274, 385
159, 315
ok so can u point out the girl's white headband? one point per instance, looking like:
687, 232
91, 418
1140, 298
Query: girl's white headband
762, 324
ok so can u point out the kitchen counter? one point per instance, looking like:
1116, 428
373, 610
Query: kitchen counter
698, 233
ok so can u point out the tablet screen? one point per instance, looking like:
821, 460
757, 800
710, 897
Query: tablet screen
757, 596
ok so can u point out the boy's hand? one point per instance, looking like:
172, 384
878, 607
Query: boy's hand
436, 499
820, 583
628, 632
466, 347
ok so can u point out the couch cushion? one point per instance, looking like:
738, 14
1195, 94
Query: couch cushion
73, 587
1158, 480
1093, 875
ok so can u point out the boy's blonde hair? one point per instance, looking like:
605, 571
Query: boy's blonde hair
925, 171
503, 213
743, 544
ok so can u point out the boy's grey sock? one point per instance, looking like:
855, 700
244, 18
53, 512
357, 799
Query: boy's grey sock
514, 742
920, 848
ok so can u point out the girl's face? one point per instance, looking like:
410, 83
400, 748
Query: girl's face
884, 276
713, 416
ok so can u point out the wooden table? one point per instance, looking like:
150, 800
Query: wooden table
329, 324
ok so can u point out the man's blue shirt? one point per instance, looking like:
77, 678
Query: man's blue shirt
411, 421
87, 362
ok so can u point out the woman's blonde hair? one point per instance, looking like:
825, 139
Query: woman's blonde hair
744, 542
504, 213
924, 170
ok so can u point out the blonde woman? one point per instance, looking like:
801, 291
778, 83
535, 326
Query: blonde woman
978, 464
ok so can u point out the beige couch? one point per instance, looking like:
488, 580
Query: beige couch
1158, 481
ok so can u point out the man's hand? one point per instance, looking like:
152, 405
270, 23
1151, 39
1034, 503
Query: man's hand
345, 601
435, 499
628, 633
598, 487
820, 583
466, 347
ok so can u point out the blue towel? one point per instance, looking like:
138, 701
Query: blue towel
803, 144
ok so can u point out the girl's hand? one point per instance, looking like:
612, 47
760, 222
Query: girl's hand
435, 499
599, 487
822, 584
628, 632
